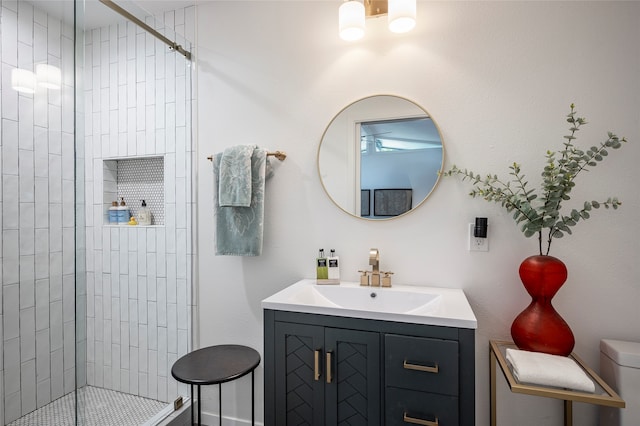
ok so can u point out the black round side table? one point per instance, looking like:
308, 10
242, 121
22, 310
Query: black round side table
216, 365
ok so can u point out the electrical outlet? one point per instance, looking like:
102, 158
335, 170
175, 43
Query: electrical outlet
477, 244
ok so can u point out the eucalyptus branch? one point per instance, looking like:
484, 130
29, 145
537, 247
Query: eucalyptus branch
489, 191
534, 213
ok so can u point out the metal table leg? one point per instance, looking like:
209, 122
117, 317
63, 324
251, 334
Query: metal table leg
568, 413
192, 403
199, 408
492, 368
220, 401
253, 405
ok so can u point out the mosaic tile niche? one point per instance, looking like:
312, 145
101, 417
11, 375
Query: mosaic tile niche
134, 180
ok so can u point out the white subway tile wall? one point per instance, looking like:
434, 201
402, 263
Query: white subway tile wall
37, 360
138, 98
138, 104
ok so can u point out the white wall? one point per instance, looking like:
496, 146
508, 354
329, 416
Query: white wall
498, 78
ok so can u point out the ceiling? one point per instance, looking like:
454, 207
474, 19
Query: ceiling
98, 15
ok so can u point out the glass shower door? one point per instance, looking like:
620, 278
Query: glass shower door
134, 143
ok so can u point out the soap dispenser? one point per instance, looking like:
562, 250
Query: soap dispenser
144, 214
333, 268
322, 269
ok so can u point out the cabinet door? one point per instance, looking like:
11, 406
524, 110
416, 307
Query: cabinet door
299, 386
353, 393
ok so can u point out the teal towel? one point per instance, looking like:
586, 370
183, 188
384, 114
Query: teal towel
234, 183
239, 230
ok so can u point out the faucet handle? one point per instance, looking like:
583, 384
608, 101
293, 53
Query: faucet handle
386, 278
364, 278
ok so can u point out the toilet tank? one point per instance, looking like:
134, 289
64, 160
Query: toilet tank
620, 368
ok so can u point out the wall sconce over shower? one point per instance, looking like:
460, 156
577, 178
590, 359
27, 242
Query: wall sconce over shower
401, 16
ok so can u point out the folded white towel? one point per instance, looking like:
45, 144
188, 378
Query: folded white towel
550, 370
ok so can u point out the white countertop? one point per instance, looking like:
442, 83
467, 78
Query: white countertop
411, 304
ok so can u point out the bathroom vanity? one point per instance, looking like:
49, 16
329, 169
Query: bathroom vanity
368, 356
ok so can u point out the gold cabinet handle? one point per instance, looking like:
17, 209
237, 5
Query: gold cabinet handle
316, 364
329, 378
421, 422
426, 369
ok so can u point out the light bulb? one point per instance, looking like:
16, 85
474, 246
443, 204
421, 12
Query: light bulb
402, 15
351, 20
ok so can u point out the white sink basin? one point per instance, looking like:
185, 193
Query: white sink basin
364, 298
413, 304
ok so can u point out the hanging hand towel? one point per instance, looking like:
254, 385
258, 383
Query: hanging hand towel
550, 370
239, 229
234, 182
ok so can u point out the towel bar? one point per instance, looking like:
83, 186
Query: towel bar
278, 154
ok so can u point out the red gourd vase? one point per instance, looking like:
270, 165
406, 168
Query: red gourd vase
539, 327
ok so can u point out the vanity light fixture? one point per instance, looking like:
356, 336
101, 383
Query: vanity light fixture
401, 16
23, 80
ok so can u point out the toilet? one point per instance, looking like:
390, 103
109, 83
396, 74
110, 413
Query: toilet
620, 368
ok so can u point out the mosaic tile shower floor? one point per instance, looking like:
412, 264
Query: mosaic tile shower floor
101, 407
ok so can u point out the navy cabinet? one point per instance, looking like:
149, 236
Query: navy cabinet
327, 370
326, 375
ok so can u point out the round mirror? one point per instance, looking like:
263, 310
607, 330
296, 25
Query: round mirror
379, 157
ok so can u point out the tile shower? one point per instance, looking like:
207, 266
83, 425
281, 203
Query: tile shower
81, 300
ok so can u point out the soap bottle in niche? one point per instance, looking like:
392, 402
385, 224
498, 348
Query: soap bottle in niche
144, 214
113, 212
123, 212
333, 265
322, 270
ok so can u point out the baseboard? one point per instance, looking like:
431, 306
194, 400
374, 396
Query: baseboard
183, 418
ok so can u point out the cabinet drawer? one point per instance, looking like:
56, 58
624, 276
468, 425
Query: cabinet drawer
406, 407
422, 364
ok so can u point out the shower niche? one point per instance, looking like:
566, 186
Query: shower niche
134, 179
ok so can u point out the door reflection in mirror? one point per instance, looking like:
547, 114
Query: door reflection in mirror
381, 142
396, 161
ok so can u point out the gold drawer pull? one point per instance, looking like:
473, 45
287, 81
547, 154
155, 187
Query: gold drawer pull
415, 421
329, 378
316, 365
426, 369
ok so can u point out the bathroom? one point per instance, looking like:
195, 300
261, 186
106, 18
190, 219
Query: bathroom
498, 78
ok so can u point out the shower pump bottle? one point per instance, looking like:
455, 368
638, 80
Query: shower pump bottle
123, 212
113, 213
144, 214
